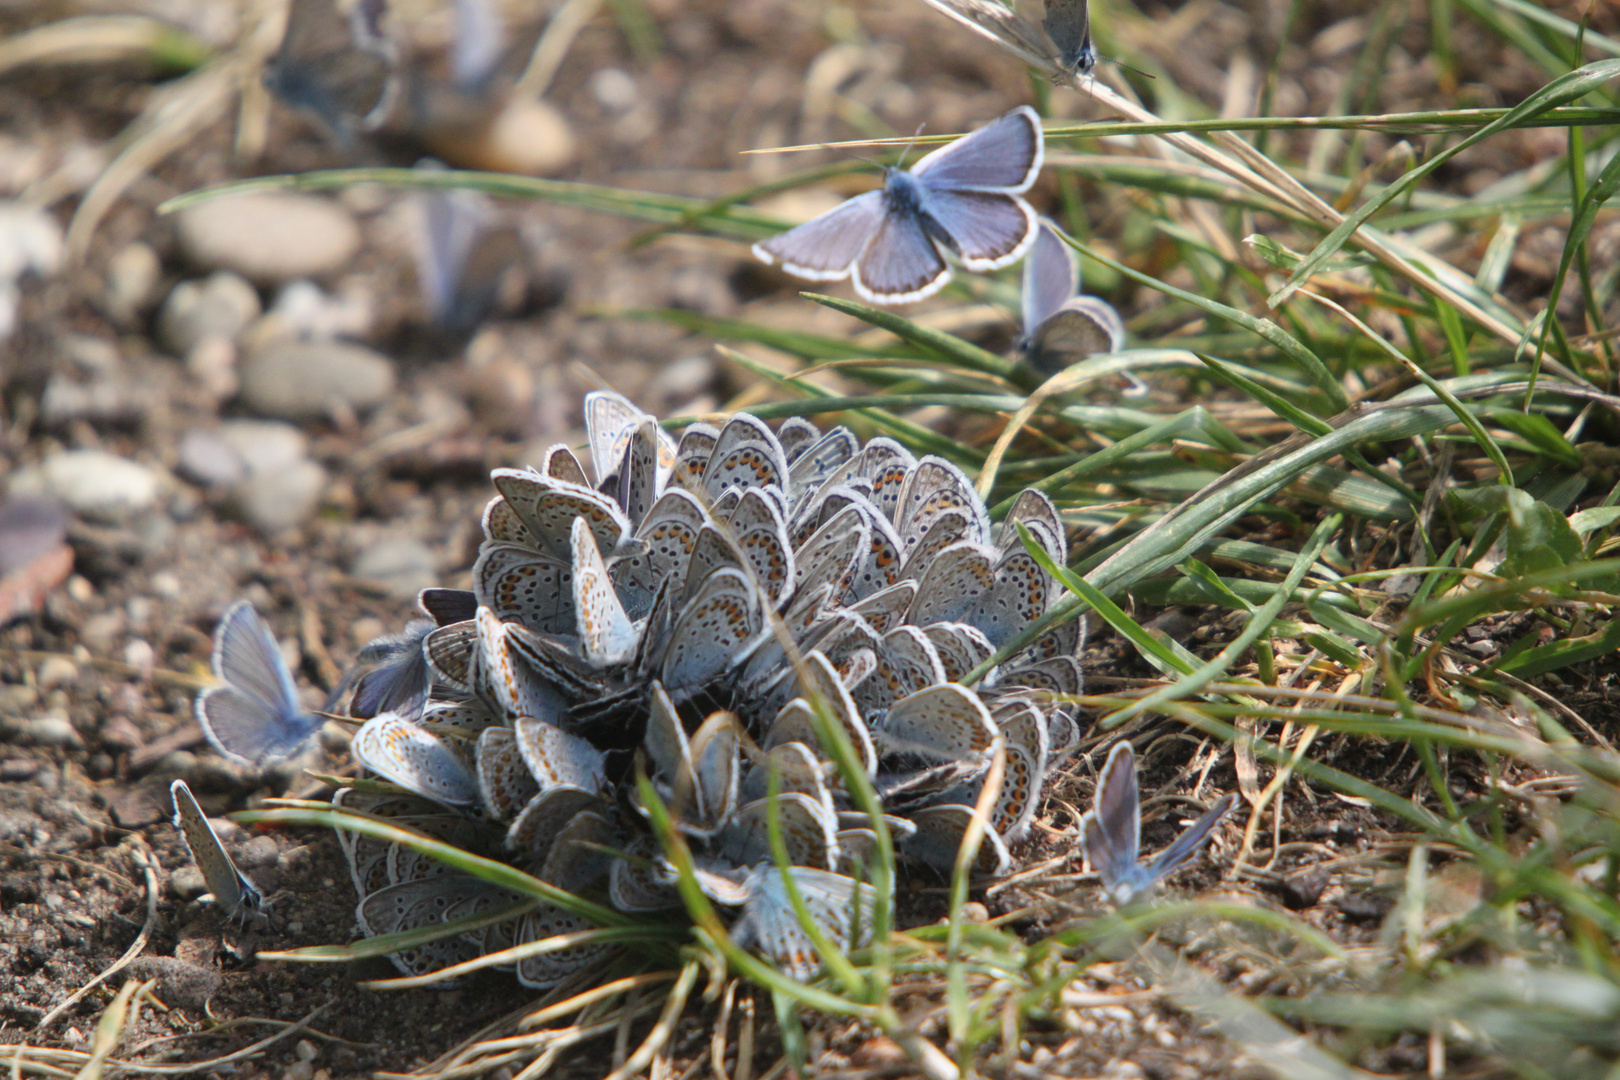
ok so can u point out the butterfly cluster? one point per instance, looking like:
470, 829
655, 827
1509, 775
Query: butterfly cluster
680, 613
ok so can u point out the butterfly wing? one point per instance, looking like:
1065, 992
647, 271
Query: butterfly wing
1006, 28
1051, 277
825, 248
1068, 24
234, 893
1082, 327
480, 39
1189, 842
1004, 155
901, 264
1111, 830
254, 717
987, 230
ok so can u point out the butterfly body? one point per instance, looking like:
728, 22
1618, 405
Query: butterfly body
962, 199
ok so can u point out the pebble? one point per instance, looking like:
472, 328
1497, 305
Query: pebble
94, 483
528, 137
187, 883
221, 305
265, 445
16, 770
179, 983
133, 275
259, 851
403, 565
212, 362
207, 459
301, 380
269, 237
274, 502
55, 671
51, 729
30, 242
304, 309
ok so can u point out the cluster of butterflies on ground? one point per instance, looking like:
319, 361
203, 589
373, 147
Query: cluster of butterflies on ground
683, 617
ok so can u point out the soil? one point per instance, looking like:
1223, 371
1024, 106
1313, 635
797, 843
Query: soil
119, 648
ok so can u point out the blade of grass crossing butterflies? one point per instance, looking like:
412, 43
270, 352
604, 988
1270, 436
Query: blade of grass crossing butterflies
1564, 89
956, 988
493, 871
832, 952
941, 344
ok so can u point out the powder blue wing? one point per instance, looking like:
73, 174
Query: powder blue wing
988, 230
1051, 277
1189, 842
1004, 156
480, 39
901, 264
255, 716
825, 248
1111, 830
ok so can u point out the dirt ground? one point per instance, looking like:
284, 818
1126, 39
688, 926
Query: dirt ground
117, 649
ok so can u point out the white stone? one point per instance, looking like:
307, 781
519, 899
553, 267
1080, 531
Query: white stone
269, 237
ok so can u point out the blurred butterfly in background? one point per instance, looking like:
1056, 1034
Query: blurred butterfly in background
236, 896
337, 64
253, 716
462, 255
1060, 47
1111, 833
1060, 326
962, 200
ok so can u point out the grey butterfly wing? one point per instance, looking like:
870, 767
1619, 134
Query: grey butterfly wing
1111, 831
987, 230
1006, 28
1068, 24
825, 248
1051, 277
1005, 155
1082, 327
233, 892
901, 264
341, 69
1191, 840
449, 225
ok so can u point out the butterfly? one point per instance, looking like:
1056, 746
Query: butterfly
254, 716
338, 65
1111, 833
961, 200
1060, 326
238, 897
1063, 51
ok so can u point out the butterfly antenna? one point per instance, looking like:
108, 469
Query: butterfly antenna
1120, 63
914, 137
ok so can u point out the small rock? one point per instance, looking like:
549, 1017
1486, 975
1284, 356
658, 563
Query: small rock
301, 380
208, 459
51, 729
212, 362
133, 276
30, 243
140, 656
269, 237
120, 733
274, 502
265, 445
527, 136
299, 1070
187, 985
501, 392
303, 309
56, 671
16, 770
222, 305
404, 565
94, 483
259, 851
187, 883
1304, 889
